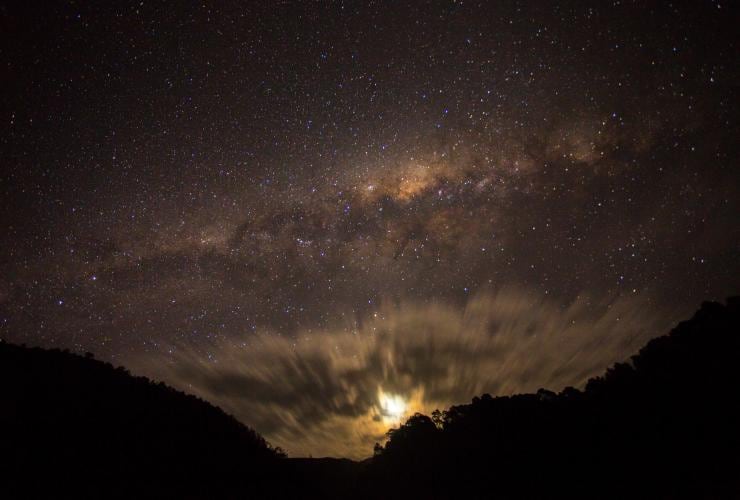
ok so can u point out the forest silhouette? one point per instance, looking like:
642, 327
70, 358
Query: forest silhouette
663, 424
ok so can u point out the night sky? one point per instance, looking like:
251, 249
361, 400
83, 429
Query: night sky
326, 216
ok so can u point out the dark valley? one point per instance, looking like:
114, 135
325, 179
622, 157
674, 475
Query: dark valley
663, 424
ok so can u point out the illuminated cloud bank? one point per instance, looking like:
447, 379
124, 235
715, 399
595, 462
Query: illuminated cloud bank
328, 393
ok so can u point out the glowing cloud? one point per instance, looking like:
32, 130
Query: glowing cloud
337, 392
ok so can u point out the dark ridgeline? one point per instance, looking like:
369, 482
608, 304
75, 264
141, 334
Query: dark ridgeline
664, 425
75, 427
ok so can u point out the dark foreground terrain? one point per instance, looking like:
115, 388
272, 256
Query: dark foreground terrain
665, 424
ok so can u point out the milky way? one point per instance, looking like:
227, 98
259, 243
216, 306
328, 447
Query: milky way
289, 209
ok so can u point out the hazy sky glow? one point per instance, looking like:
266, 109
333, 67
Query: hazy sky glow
336, 392
301, 213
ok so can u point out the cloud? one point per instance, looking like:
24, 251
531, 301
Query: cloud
319, 393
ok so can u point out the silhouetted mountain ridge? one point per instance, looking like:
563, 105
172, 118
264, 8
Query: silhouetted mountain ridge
81, 425
662, 425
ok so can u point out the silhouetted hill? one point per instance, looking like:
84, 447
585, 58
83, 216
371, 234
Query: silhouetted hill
72, 426
666, 424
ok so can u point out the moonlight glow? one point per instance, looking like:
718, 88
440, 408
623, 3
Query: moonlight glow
392, 407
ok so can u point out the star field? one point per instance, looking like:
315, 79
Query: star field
287, 207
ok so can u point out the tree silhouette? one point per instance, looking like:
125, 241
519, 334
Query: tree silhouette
664, 424
73, 424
